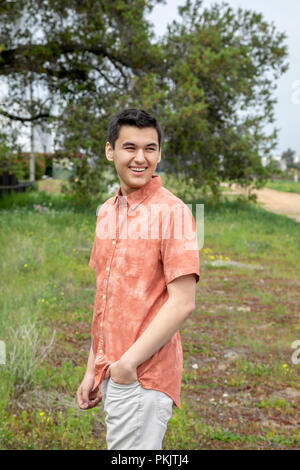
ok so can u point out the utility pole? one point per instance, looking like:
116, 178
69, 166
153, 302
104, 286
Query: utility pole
32, 156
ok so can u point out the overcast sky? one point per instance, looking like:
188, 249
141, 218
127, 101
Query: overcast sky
286, 16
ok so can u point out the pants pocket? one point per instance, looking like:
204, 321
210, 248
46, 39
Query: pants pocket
103, 388
115, 384
164, 407
121, 400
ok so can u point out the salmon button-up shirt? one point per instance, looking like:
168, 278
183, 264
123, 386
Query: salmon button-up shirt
143, 241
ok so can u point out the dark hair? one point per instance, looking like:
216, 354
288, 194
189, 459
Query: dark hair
131, 117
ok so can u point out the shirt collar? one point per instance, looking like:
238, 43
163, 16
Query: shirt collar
136, 197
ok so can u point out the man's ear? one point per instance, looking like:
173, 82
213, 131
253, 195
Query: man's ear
109, 152
159, 158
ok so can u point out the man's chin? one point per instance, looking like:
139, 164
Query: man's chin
135, 183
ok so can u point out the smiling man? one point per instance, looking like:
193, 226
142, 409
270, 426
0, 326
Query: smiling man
146, 275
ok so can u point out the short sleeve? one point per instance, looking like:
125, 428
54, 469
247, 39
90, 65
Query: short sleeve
179, 252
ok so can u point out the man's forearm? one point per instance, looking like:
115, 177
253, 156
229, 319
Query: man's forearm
91, 363
164, 325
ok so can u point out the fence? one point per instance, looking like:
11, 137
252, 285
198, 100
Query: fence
9, 182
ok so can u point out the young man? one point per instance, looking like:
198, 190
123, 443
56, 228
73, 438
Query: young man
146, 269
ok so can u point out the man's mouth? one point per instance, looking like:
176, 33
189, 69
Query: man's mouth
136, 170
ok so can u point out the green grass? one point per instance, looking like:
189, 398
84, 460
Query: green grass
47, 286
286, 186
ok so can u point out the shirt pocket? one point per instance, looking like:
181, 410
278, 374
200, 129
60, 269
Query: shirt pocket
132, 257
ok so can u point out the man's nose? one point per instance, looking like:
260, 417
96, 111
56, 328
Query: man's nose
140, 155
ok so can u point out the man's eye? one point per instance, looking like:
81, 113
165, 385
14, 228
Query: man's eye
151, 149
129, 148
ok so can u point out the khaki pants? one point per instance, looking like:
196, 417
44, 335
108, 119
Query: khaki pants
136, 418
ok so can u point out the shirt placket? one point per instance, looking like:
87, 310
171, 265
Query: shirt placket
121, 217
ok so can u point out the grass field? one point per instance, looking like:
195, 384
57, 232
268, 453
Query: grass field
287, 186
240, 388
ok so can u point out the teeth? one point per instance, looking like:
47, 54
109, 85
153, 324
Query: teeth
138, 169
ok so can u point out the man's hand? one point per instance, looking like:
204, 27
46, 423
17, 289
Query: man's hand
85, 398
122, 373
167, 321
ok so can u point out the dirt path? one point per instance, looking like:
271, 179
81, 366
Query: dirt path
279, 202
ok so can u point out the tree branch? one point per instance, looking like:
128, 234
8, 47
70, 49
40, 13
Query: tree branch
25, 119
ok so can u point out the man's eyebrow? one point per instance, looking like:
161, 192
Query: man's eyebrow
152, 144
128, 143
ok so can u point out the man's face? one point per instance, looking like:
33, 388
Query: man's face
134, 148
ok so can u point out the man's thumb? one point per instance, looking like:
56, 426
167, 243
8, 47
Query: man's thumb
85, 397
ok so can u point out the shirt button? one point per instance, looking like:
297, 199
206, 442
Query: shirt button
103, 296
114, 242
101, 351
107, 268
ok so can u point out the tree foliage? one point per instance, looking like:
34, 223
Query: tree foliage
289, 157
222, 71
9, 155
209, 80
82, 55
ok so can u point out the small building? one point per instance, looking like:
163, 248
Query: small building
281, 163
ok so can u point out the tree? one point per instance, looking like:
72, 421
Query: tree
73, 48
79, 53
210, 81
9, 154
289, 157
222, 70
